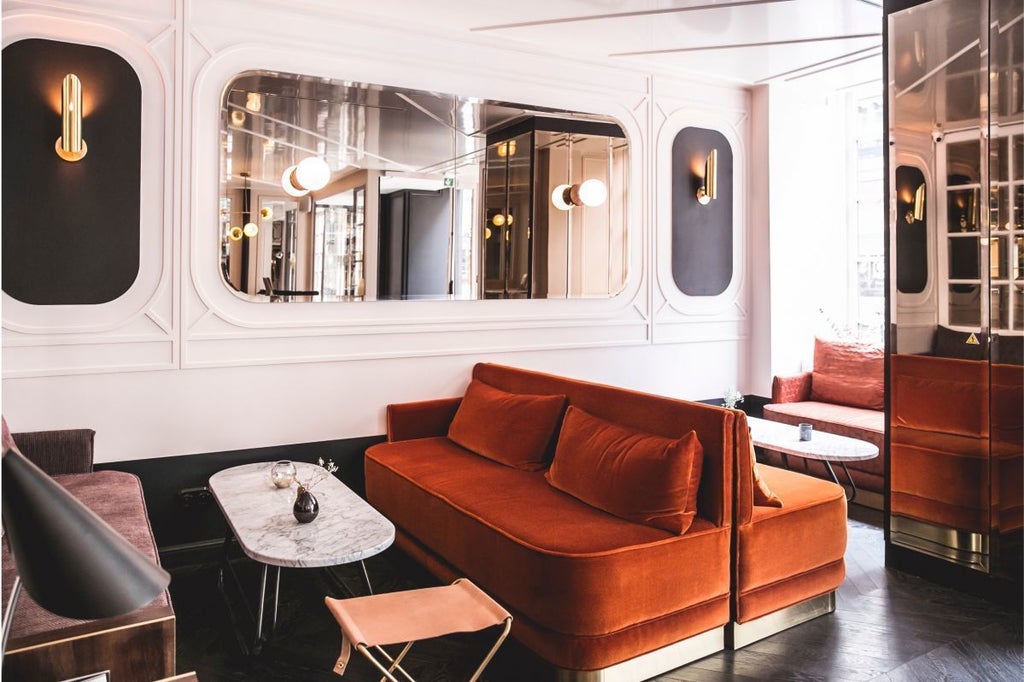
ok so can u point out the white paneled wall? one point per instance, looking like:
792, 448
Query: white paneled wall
181, 365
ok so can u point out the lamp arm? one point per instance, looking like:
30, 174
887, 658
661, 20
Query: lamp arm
12, 603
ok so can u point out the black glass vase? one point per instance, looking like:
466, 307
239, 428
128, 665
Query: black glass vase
306, 507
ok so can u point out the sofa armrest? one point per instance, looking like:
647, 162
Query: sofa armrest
791, 389
425, 419
64, 451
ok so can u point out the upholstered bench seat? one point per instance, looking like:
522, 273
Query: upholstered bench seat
584, 585
844, 395
791, 553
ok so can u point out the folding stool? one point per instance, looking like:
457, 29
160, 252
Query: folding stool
411, 615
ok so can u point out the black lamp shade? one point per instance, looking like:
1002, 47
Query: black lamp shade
68, 558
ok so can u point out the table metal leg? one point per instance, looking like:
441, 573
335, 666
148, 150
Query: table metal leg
257, 619
258, 642
277, 590
332, 575
835, 479
366, 577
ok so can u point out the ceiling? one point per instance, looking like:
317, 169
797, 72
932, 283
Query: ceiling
835, 42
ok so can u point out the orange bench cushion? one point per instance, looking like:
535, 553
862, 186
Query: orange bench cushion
636, 476
789, 554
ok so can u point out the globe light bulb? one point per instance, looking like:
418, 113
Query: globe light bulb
288, 185
251, 229
560, 198
593, 192
312, 173
235, 233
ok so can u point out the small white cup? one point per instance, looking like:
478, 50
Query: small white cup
805, 431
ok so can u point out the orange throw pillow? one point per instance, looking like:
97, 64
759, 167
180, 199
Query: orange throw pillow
847, 373
763, 495
634, 475
510, 428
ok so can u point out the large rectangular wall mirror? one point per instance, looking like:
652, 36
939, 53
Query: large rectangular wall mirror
341, 191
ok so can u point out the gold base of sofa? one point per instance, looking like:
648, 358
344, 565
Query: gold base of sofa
958, 546
870, 499
739, 635
653, 663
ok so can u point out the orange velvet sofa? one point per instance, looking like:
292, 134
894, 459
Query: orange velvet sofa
844, 395
589, 590
592, 591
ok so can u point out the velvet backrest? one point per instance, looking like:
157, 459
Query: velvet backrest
658, 415
944, 395
61, 451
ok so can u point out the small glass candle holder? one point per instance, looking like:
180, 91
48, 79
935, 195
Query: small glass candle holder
805, 431
283, 473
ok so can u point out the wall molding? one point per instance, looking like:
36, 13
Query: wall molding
26, 327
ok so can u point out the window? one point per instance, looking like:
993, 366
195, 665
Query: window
868, 219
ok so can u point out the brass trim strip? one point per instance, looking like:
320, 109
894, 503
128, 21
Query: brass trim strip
950, 544
653, 663
739, 635
86, 635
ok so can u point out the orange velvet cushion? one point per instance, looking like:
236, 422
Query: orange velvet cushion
510, 428
634, 475
848, 373
763, 495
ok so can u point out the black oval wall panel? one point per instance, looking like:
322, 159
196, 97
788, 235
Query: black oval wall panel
70, 229
702, 236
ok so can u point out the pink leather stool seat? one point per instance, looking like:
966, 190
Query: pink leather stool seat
412, 615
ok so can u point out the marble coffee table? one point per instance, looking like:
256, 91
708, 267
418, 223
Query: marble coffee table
827, 448
259, 516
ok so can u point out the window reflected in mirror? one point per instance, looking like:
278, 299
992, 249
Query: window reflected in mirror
340, 191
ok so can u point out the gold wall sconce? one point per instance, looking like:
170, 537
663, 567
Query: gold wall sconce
709, 190
591, 192
309, 175
500, 219
70, 145
507, 148
249, 230
916, 211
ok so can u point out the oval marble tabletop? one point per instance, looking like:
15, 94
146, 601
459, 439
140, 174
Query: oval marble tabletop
826, 446
347, 529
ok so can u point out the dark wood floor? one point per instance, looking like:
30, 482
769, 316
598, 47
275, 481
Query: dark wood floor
887, 626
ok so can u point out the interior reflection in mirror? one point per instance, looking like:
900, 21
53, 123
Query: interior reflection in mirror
340, 191
955, 366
